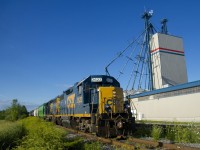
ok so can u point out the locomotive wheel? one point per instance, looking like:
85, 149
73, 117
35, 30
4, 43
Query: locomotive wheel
74, 124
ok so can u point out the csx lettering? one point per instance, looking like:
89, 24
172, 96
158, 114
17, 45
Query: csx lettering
70, 101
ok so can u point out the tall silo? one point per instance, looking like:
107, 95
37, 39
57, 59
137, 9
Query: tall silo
168, 60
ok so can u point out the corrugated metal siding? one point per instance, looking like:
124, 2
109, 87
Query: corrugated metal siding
176, 108
156, 69
173, 69
176, 43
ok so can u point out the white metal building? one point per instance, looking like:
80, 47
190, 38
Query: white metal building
175, 103
168, 60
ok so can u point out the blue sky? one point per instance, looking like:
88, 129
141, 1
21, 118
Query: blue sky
47, 46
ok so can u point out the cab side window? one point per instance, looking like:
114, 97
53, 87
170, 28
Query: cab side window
80, 88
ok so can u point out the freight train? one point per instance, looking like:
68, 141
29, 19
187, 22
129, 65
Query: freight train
94, 104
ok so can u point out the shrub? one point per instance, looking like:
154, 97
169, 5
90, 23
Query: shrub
156, 132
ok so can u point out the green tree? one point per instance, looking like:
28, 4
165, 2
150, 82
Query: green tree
16, 111
2, 115
23, 112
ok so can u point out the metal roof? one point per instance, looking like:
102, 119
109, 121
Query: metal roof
168, 89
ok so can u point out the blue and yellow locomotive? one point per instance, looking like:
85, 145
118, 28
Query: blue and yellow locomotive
93, 105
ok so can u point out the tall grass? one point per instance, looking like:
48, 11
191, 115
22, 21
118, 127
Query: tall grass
174, 132
10, 133
41, 135
36, 134
156, 132
186, 134
177, 133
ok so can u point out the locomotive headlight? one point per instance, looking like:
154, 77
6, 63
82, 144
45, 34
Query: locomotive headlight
107, 108
127, 106
120, 125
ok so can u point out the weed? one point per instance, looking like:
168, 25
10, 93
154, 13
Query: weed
173, 131
187, 134
170, 133
156, 132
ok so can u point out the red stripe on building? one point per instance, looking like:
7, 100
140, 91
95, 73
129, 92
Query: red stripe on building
166, 49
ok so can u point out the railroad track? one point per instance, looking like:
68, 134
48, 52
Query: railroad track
132, 143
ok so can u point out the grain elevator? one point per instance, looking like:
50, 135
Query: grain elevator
168, 60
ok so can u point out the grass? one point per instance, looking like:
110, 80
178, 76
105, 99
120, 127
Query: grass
174, 132
183, 134
10, 133
156, 132
92, 146
41, 135
44, 135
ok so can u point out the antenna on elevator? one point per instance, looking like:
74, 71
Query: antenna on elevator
164, 26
